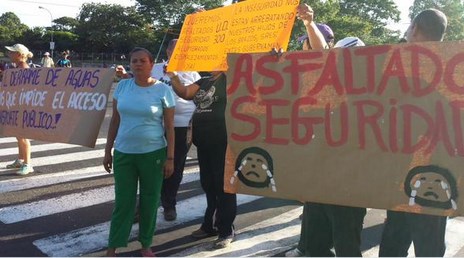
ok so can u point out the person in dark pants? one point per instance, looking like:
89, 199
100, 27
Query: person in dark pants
427, 232
182, 116
401, 228
328, 226
325, 226
210, 137
171, 184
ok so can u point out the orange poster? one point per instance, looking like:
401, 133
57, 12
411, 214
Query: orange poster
247, 27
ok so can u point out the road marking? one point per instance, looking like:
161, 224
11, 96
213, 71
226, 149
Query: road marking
32, 210
46, 147
61, 158
17, 213
267, 238
90, 239
41, 180
23, 183
454, 239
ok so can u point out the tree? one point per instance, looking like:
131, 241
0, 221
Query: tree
364, 19
168, 12
11, 28
109, 28
35, 39
65, 24
453, 9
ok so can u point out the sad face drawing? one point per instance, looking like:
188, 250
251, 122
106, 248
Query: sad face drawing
431, 186
254, 168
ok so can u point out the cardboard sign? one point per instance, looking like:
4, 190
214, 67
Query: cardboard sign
247, 27
54, 104
378, 127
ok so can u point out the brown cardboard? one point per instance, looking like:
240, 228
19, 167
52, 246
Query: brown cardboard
54, 104
368, 127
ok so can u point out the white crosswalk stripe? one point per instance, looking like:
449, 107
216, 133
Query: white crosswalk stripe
193, 208
268, 229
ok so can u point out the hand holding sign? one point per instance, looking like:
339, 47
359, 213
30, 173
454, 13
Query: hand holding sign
305, 13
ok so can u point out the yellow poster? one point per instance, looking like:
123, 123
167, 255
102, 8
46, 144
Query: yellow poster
247, 27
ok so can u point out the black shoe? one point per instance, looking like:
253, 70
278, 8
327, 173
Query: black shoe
170, 214
200, 233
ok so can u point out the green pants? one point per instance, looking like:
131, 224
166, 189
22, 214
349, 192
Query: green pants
129, 170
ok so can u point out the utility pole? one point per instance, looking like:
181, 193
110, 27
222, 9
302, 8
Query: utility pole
52, 44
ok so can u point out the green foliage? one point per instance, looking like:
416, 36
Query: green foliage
167, 12
65, 40
65, 24
453, 9
365, 19
11, 28
109, 28
34, 39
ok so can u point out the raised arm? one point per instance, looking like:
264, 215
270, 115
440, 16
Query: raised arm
186, 92
316, 39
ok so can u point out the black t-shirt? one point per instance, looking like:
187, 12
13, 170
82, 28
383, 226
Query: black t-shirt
209, 124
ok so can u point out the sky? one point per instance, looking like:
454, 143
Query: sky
30, 14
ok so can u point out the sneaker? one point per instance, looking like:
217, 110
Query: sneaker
200, 233
294, 253
16, 164
25, 169
170, 214
223, 242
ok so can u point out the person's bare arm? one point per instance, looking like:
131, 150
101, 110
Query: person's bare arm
168, 117
186, 92
316, 39
112, 132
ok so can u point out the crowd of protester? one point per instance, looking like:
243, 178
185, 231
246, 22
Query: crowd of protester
157, 113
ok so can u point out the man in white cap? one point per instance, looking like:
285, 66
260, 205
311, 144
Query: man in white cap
349, 42
47, 61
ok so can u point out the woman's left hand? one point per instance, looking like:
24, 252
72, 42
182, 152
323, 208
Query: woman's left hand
168, 168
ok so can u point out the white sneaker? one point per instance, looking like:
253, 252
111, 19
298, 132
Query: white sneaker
294, 253
25, 169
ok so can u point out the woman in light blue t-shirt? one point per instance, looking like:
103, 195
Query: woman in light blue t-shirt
142, 134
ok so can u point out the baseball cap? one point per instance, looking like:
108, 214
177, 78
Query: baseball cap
324, 29
46, 54
18, 48
349, 42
